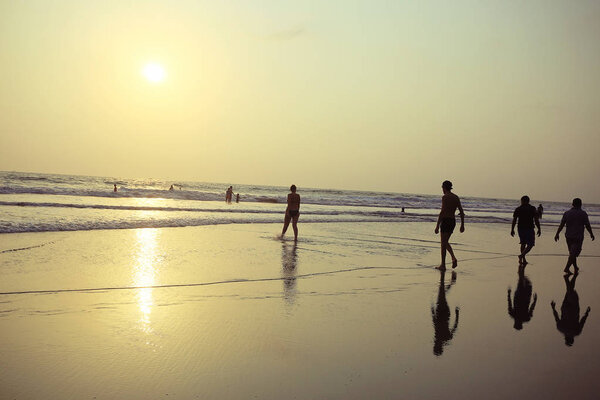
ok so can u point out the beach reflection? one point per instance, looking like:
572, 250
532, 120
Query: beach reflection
289, 260
518, 308
569, 323
441, 316
144, 273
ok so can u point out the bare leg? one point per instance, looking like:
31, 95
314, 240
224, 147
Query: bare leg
442, 266
575, 264
568, 266
571, 261
524, 250
521, 254
295, 226
444, 236
286, 223
454, 260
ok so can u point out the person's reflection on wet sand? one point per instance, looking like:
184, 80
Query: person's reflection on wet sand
289, 260
519, 309
441, 316
568, 323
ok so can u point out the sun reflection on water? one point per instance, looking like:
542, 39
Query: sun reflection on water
145, 272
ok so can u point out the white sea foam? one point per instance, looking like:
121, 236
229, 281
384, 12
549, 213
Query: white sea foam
42, 202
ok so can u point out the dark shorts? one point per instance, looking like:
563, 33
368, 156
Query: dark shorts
447, 225
293, 213
527, 236
574, 246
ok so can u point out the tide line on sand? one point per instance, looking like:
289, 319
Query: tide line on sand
174, 285
300, 276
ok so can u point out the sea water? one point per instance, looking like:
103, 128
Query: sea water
34, 202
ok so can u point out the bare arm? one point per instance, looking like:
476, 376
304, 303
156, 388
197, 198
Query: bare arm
462, 217
589, 229
439, 220
512, 228
456, 311
562, 224
556, 318
533, 305
582, 322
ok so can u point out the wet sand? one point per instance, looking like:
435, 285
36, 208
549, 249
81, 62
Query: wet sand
352, 311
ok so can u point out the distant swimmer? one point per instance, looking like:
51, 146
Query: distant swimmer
540, 211
171, 188
229, 194
115, 189
402, 209
575, 219
447, 222
527, 216
292, 212
237, 198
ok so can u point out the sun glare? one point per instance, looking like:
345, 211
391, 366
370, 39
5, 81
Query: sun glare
153, 72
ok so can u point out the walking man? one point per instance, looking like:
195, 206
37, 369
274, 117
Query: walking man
527, 215
575, 219
447, 222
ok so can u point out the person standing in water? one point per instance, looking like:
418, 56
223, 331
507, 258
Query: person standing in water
447, 222
527, 216
540, 211
115, 189
575, 219
292, 212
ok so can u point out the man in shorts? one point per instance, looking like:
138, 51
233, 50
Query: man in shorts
575, 219
526, 214
447, 221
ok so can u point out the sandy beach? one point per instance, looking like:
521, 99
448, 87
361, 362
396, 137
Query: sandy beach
352, 311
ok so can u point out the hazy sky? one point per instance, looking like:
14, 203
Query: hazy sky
501, 97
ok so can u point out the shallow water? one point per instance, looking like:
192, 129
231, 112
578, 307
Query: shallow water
351, 311
32, 202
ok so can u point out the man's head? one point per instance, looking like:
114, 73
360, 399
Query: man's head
518, 325
569, 340
577, 202
446, 186
293, 188
525, 200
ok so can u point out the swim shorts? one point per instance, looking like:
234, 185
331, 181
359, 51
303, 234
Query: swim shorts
447, 225
527, 236
293, 213
574, 246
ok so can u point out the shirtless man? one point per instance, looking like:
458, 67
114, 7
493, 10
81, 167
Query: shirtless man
292, 212
446, 221
229, 195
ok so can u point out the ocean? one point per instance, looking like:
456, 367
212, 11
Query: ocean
35, 202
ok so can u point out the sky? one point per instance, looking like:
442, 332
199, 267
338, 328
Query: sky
501, 97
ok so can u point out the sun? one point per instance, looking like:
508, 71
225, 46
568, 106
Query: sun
154, 72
